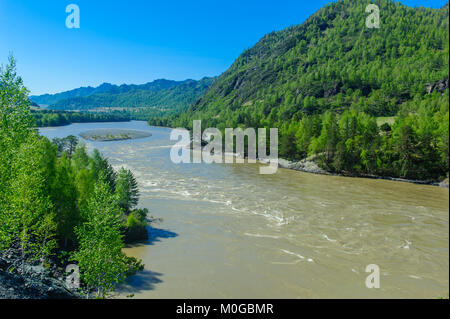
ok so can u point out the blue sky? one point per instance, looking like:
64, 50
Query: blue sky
139, 41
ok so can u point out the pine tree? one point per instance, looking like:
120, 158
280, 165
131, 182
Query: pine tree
127, 190
100, 166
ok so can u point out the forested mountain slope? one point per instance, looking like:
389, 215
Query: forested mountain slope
326, 82
333, 61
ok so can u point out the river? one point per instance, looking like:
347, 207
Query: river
229, 232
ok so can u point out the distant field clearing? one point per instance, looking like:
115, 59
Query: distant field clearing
387, 119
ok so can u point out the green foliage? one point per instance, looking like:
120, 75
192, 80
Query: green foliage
127, 190
55, 196
101, 167
385, 127
67, 144
45, 117
65, 199
100, 253
31, 211
80, 158
313, 80
15, 121
136, 224
15, 114
415, 147
132, 221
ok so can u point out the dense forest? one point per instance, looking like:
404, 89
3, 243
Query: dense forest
160, 95
57, 202
361, 100
44, 117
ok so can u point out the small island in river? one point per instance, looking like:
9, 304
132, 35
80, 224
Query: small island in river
105, 135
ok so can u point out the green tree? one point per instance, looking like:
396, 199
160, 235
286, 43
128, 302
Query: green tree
67, 144
326, 143
405, 140
127, 190
15, 116
101, 167
80, 158
304, 136
84, 182
100, 256
443, 136
15, 124
32, 214
65, 196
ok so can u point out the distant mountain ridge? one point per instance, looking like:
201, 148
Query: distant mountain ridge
160, 93
49, 99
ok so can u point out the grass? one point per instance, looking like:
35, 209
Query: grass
385, 119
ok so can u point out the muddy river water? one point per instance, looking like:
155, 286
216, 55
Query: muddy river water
229, 232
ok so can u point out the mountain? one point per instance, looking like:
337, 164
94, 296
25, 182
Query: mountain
332, 62
365, 100
161, 94
49, 99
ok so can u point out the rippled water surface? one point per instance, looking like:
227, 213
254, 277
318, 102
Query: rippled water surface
228, 232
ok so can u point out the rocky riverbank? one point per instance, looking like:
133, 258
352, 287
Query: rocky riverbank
309, 165
30, 280
444, 183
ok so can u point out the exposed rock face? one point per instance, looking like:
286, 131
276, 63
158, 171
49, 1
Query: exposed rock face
29, 281
307, 165
439, 86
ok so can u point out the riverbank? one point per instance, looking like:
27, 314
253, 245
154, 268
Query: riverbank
309, 165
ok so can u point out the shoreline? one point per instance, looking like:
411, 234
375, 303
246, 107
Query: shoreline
83, 122
302, 166
308, 165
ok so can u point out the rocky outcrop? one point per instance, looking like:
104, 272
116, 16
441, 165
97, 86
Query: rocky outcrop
30, 281
444, 183
307, 165
439, 86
